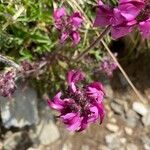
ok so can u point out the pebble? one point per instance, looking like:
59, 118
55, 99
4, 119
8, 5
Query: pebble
85, 147
123, 81
1, 145
147, 93
112, 141
109, 91
146, 147
146, 119
112, 127
128, 131
47, 132
113, 120
12, 140
21, 110
131, 146
146, 142
118, 109
123, 140
139, 108
103, 147
110, 114
67, 146
132, 118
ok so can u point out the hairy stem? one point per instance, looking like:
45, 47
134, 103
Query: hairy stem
93, 44
75, 5
141, 98
14, 18
9, 62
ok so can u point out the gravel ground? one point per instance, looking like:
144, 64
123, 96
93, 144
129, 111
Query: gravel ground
125, 127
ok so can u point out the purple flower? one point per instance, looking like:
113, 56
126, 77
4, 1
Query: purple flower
79, 106
144, 27
104, 15
73, 77
130, 9
68, 25
124, 17
95, 91
7, 83
115, 17
57, 102
58, 15
108, 66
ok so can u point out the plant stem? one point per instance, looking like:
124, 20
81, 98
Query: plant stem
14, 18
141, 98
104, 32
9, 62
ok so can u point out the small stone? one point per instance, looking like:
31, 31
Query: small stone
147, 93
146, 119
109, 91
110, 114
12, 141
1, 145
112, 127
112, 141
109, 138
139, 108
128, 131
118, 109
123, 81
32, 148
113, 120
47, 132
103, 147
132, 118
146, 147
21, 110
131, 146
85, 147
41, 147
146, 142
67, 146
123, 140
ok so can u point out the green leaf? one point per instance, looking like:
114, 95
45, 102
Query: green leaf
25, 53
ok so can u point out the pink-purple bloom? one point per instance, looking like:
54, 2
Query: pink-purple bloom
123, 18
68, 26
7, 83
79, 106
108, 66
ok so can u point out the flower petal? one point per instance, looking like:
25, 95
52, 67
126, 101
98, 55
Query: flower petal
59, 13
144, 28
103, 16
75, 37
76, 20
56, 103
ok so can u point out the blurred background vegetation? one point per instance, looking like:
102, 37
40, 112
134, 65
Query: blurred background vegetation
27, 33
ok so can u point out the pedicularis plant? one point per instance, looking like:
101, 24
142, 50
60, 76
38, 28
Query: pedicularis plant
49, 39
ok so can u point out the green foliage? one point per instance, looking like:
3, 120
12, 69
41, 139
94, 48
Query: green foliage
27, 33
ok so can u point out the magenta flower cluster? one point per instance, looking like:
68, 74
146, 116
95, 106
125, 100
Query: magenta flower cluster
108, 66
80, 105
123, 18
7, 83
68, 25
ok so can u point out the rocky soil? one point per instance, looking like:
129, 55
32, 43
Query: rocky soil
28, 124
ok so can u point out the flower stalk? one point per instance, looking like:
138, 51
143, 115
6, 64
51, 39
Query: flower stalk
100, 37
141, 98
9, 62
